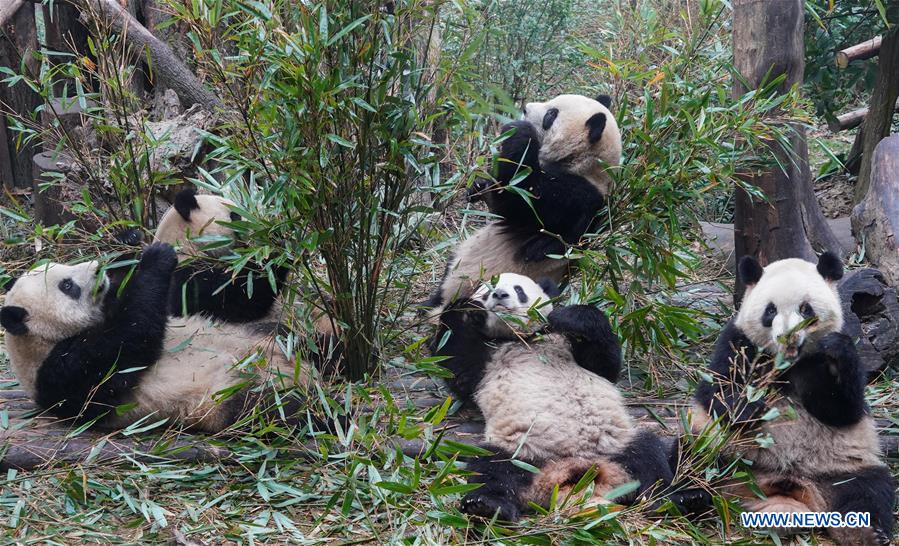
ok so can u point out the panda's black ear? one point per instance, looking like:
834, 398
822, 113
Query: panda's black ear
830, 267
12, 318
605, 100
595, 126
186, 201
750, 271
550, 287
8, 284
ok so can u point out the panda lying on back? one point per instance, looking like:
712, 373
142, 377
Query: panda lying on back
81, 351
567, 143
549, 397
825, 455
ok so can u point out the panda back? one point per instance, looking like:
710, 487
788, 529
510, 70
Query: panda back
537, 391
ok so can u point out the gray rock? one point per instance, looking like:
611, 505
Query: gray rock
871, 315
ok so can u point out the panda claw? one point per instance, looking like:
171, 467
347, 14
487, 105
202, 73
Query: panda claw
488, 506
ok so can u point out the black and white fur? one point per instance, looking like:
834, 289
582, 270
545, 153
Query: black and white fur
199, 286
568, 143
80, 349
551, 391
825, 454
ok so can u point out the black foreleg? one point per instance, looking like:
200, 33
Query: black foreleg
129, 341
830, 380
503, 490
731, 370
593, 343
459, 339
870, 490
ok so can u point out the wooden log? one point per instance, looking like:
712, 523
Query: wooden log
852, 119
68, 116
167, 68
880, 108
858, 52
768, 42
876, 219
28, 453
6, 143
48, 206
9, 9
18, 41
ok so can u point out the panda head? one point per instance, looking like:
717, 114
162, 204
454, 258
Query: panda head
55, 301
509, 303
577, 134
196, 215
783, 295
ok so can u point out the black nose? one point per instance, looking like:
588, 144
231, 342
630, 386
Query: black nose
500, 294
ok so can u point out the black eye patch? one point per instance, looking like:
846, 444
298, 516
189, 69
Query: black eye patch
806, 310
522, 297
236, 217
69, 288
768, 315
549, 118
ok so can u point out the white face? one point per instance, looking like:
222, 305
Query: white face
561, 125
789, 292
509, 301
59, 300
205, 221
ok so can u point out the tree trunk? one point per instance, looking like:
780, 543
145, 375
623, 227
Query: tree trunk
167, 67
18, 39
880, 110
876, 218
768, 42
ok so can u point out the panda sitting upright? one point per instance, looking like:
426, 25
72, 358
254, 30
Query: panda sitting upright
824, 454
549, 397
87, 348
567, 144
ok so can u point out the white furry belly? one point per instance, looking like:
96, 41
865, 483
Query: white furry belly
489, 252
805, 446
539, 396
201, 358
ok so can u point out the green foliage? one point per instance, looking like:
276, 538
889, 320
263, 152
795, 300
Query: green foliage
523, 50
685, 137
330, 96
829, 27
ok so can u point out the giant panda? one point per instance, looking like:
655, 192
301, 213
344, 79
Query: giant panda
824, 454
568, 143
202, 287
548, 397
86, 347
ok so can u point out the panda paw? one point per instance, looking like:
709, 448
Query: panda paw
691, 501
836, 346
486, 505
159, 257
477, 190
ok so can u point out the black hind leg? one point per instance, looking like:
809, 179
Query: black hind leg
504, 485
646, 460
870, 490
688, 500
